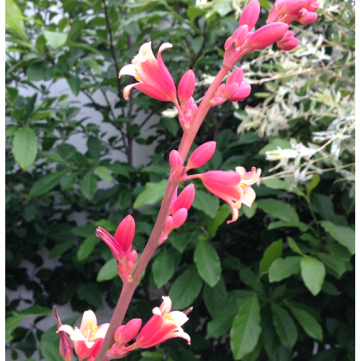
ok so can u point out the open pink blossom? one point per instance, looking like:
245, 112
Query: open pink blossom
154, 78
162, 326
87, 337
247, 178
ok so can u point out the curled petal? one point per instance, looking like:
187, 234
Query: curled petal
128, 70
248, 197
165, 306
178, 317
66, 328
147, 89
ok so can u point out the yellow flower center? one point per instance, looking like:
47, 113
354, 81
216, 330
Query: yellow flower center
242, 185
137, 78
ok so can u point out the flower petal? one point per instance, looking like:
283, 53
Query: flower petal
178, 317
249, 196
165, 307
147, 89
66, 328
88, 321
128, 70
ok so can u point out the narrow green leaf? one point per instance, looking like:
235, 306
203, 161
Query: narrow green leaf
94, 146
13, 19
206, 202
312, 273
163, 268
10, 325
207, 262
283, 268
88, 185
308, 323
34, 311
272, 253
47, 183
186, 288
284, 325
60, 249
314, 182
281, 224
152, 194
293, 245
25, 147
68, 181
344, 235
87, 247
245, 331
108, 271
278, 209
334, 265
215, 297
74, 83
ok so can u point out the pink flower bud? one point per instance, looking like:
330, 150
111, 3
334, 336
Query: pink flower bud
307, 17
201, 155
118, 334
242, 92
230, 90
266, 35
312, 5
175, 160
132, 256
168, 224
221, 178
250, 15
236, 76
65, 348
186, 86
125, 232
124, 334
179, 217
288, 42
290, 6
185, 198
239, 35
273, 16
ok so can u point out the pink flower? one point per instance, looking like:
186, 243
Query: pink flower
201, 155
248, 194
161, 327
288, 42
87, 337
154, 78
186, 86
187, 113
121, 246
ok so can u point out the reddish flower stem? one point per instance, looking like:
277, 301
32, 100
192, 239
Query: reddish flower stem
129, 287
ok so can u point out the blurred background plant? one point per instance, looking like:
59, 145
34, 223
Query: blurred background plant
276, 285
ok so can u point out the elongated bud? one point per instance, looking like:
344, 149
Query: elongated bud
168, 224
266, 35
175, 160
65, 348
124, 334
186, 86
221, 178
125, 232
242, 92
185, 198
236, 76
132, 256
290, 6
179, 217
230, 90
312, 5
288, 42
307, 17
239, 35
201, 155
250, 15
273, 16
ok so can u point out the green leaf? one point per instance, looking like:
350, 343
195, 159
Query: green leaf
308, 323
93, 64
245, 331
215, 297
36, 72
196, 44
250, 211
13, 19
68, 181
206, 202
103, 173
344, 235
88, 185
324, 206
91, 293
281, 224
34, 311
105, 223
152, 194
312, 273
74, 83
87, 247
10, 325
163, 268
50, 351
293, 245
94, 146
272, 253
60, 249
56, 40
86, 230
284, 325
43, 114
274, 144
278, 209
186, 288
220, 217
283, 268
207, 262
314, 182
276, 183
108, 271
47, 183
334, 265
25, 147
172, 126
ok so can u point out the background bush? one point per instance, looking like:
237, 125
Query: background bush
276, 285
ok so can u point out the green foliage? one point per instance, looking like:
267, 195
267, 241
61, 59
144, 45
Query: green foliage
264, 287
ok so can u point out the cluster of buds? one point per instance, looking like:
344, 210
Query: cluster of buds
178, 211
121, 246
287, 11
87, 340
235, 89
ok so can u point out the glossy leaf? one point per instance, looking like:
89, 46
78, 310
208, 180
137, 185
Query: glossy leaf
344, 235
47, 183
206, 202
312, 273
278, 209
25, 147
272, 253
163, 268
153, 193
283, 268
